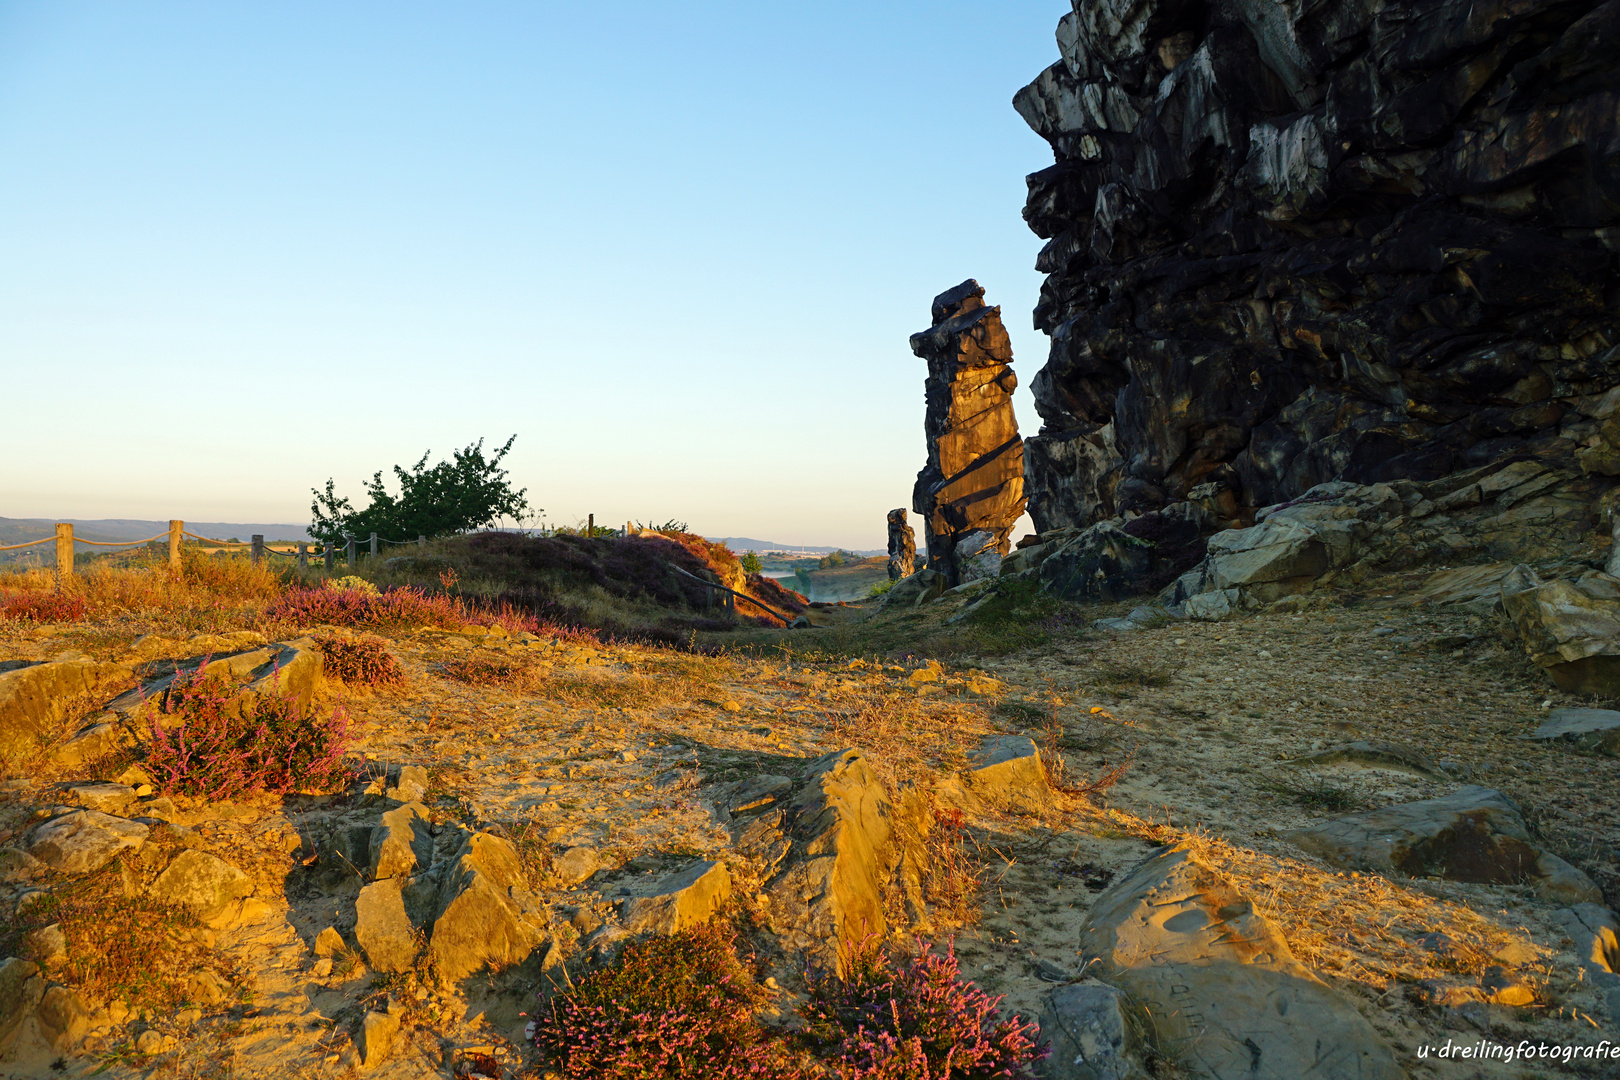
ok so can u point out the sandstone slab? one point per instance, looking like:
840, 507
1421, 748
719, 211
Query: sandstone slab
382, 929
401, 843
1377, 754
681, 900
378, 1031
576, 865
35, 699
1006, 772
1218, 983
1574, 636
1475, 834
107, 798
20, 991
1092, 1032
63, 1018
206, 884
1589, 729
478, 920
84, 840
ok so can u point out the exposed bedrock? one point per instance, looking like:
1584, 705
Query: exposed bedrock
1293, 243
972, 489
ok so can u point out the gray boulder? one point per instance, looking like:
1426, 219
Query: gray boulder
1092, 1033
1475, 834
1589, 729
1102, 563
678, 901
84, 840
20, 990
916, 590
1574, 636
1226, 996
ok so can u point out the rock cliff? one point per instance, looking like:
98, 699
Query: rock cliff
1294, 243
972, 489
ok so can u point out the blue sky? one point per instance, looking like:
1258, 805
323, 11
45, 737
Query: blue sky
677, 249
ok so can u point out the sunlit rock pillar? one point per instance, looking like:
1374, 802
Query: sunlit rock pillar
902, 546
972, 489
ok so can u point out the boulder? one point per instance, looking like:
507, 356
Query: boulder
401, 843
378, 1030
678, 901
1596, 935
840, 826
1224, 993
63, 1018
91, 743
1005, 772
1093, 1034
206, 884
48, 945
1475, 834
576, 865
34, 700
84, 840
916, 590
1575, 637
1102, 563
477, 920
328, 942
974, 479
20, 990
287, 668
1589, 729
382, 929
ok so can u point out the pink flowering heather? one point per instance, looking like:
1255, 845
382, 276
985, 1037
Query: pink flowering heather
215, 744
920, 1022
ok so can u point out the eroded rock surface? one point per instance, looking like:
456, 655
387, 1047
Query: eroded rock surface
1294, 244
1219, 984
973, 483
902, 546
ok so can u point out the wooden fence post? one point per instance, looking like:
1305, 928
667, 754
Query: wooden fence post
331, 556
303, 555
348, 552
175, 528
590, 524
373, 545
421, 541
64, 550
258, 548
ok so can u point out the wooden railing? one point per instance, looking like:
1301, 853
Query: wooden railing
258, 549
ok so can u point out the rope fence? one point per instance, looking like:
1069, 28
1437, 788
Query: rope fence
327, 552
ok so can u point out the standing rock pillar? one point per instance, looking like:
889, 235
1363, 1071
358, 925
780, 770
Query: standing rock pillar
902, 546
972, 489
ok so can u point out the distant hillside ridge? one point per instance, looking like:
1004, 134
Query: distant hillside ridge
741, 544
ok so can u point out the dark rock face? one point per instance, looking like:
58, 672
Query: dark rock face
1295, 243
972, 489
902, 546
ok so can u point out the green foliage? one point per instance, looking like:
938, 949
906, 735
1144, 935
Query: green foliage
750, 562
880, 588
469, 492
670, 526
836, 559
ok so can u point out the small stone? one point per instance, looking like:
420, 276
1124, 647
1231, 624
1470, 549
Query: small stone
679, 901
576, 865
377, 1033
63, 1017
1180, 641
1264, 654
207, 988
732, 706
627, 756
149, 1042
205, 883
48, 945
328, 942
322, 967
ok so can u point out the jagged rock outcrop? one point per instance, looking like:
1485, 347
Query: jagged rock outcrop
972, 489
1291, 244
902, 546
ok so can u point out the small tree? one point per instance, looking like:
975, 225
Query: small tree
468, 492
750, 562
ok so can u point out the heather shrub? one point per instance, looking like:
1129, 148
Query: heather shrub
668, 1007
359, 661
213, 743
44, 607
498, 671
393, 609
920, 1021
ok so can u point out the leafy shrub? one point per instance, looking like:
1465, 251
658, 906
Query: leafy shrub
215, 744
679, 1006
750, 562
920, 1022
350, 581
359, 661
44, 607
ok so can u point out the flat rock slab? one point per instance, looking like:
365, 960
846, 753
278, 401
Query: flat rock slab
1093, 1033
1218, 984
204, 883
1590, 729
681, 900
84, 840
382, 929
1377, 754
1475, 834
34, 699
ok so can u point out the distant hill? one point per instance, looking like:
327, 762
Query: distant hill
747, 543
21, 530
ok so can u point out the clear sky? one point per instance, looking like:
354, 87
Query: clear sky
676, 248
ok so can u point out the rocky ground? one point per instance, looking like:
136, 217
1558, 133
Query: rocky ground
609, 772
